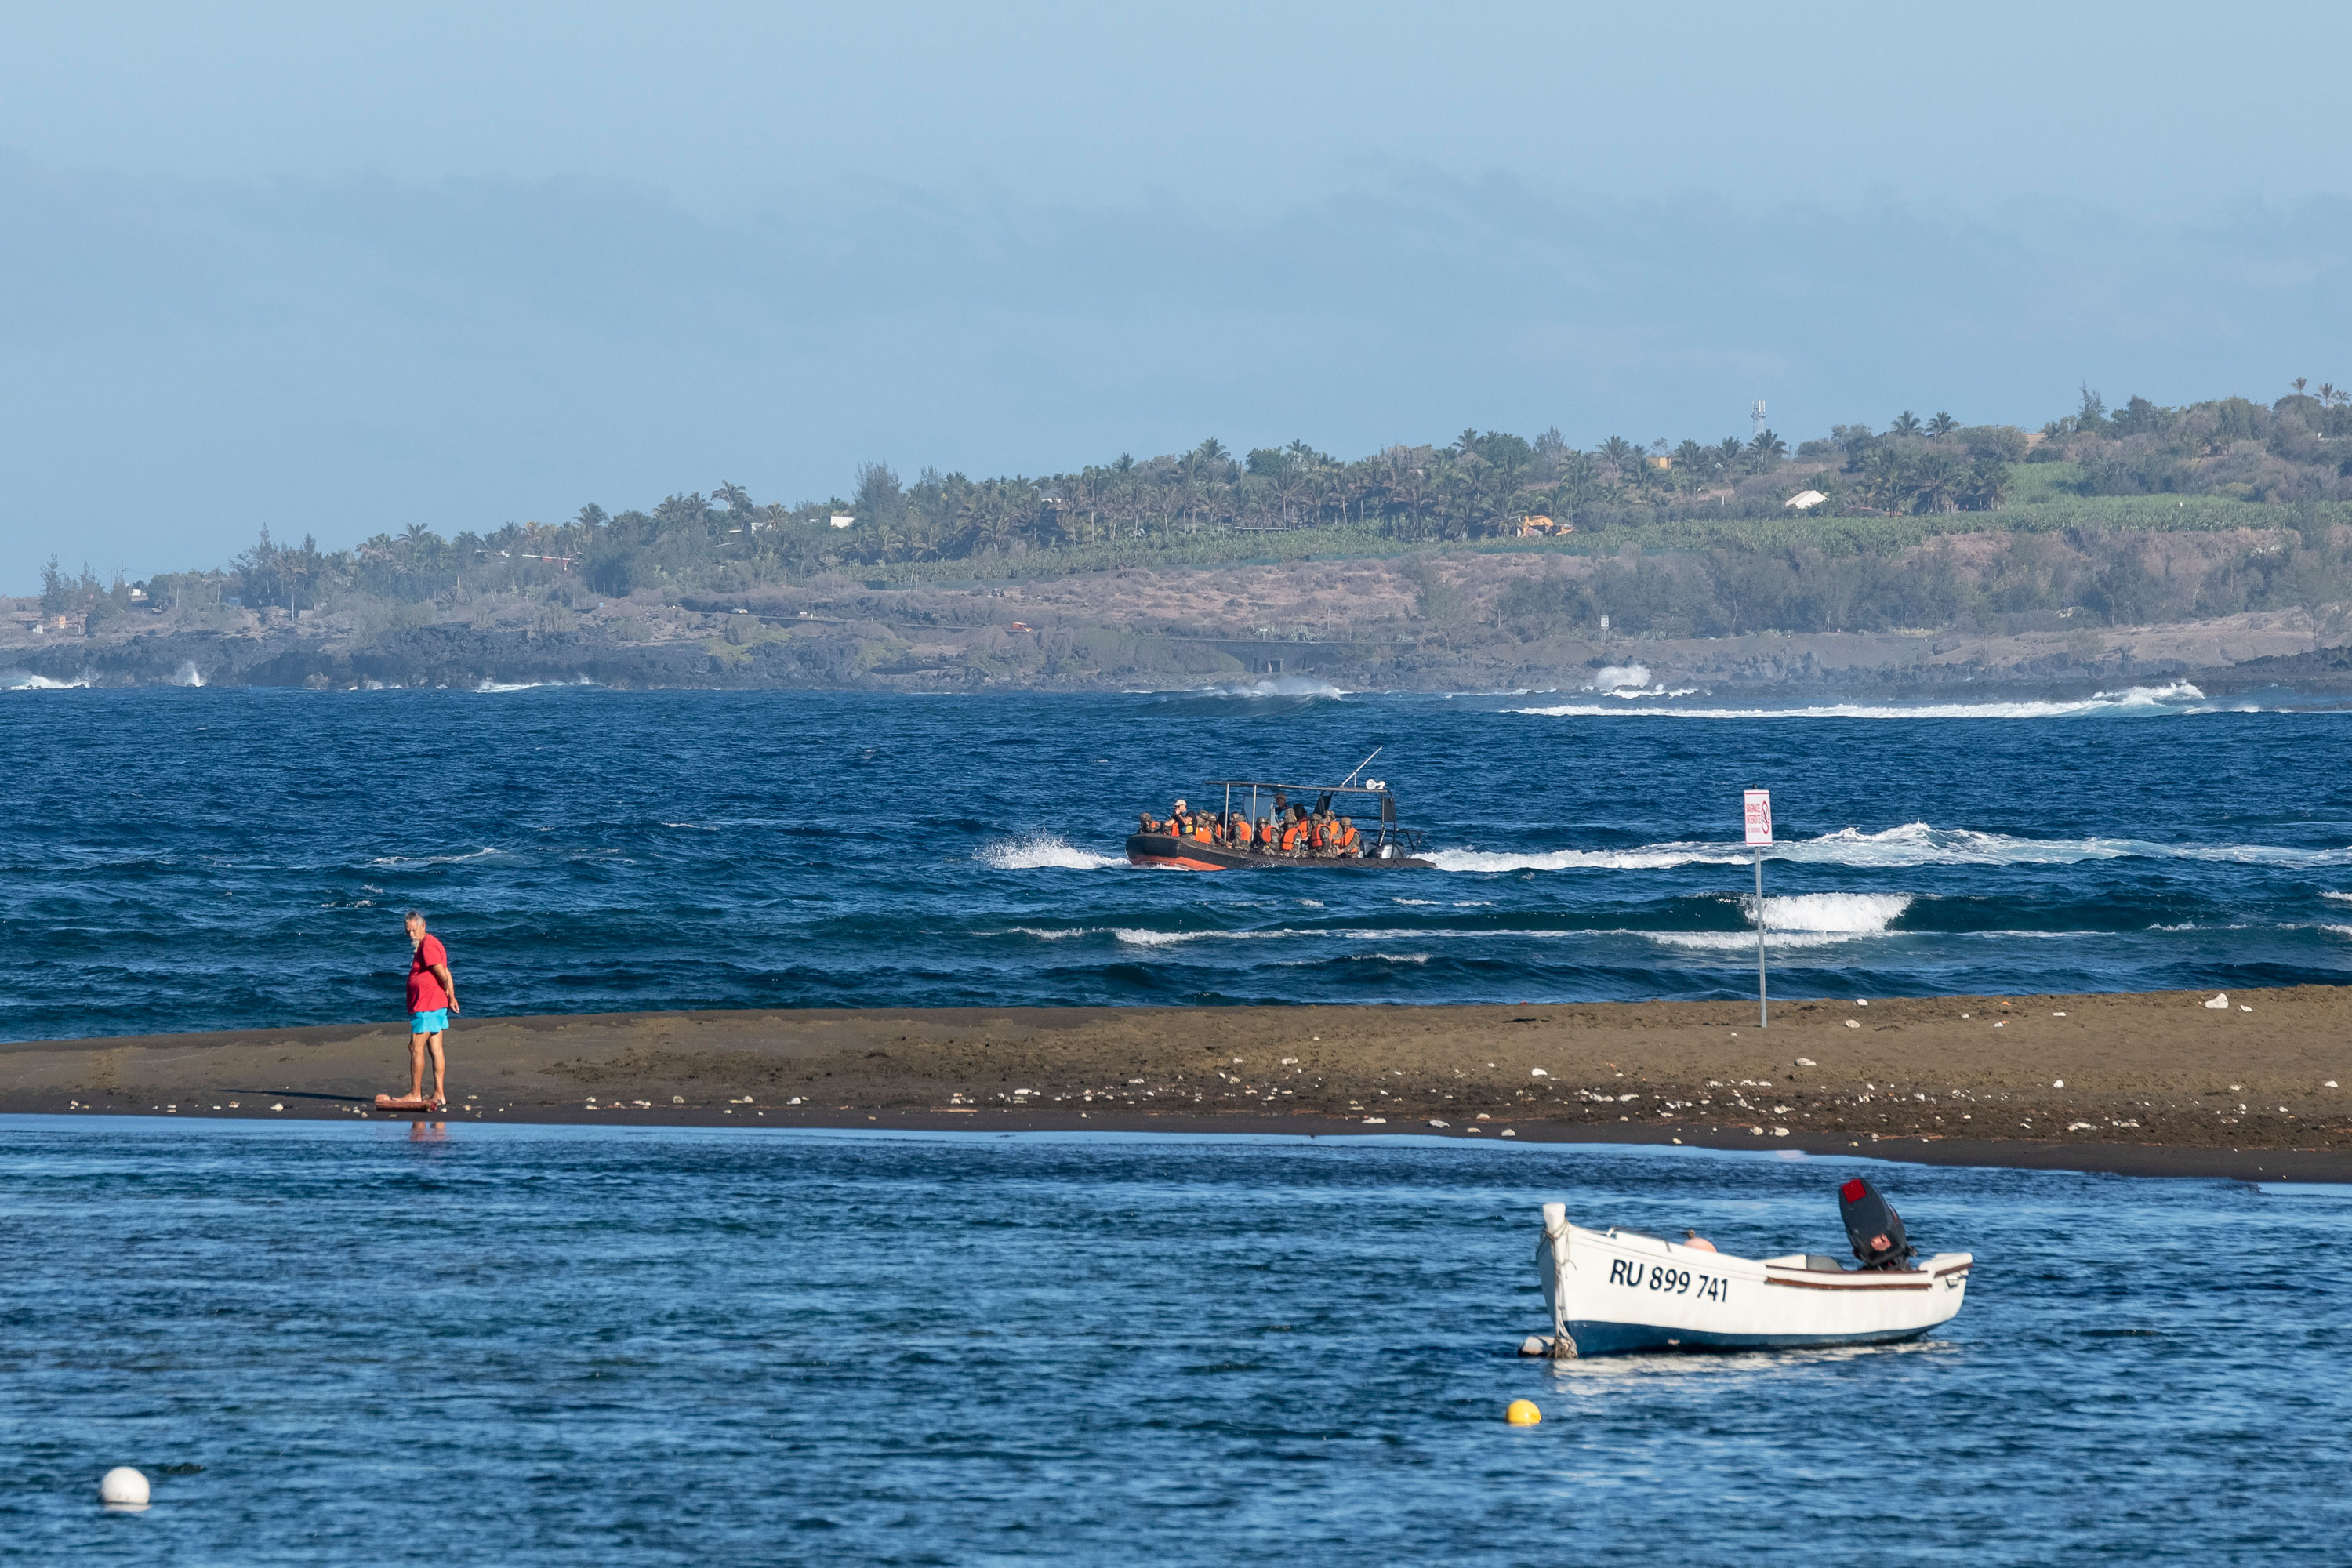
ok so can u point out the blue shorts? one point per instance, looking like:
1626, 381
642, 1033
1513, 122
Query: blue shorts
431, 1023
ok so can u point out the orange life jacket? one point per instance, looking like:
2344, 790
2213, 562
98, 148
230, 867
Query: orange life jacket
1346, 839
1264, 838
1203, 834
1290, 836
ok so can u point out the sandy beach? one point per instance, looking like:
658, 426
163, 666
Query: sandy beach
2154, 1083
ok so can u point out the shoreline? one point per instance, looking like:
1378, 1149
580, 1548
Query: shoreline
2139, 1084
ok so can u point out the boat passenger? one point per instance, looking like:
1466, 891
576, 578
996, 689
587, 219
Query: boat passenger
1204, 830
1146, 823
1237, 830
1346, 844
1294, 836
1696, 1242
1263, 839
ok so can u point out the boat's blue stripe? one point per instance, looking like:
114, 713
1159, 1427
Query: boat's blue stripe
1616, 1339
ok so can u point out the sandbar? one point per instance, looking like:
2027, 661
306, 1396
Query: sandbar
2154, 1083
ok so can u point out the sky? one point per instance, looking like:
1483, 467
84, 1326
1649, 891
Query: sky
334, 270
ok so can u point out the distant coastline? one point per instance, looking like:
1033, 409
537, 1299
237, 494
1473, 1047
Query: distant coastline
2118, 545
1356, 625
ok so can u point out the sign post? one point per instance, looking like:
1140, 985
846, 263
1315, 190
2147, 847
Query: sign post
1759, 835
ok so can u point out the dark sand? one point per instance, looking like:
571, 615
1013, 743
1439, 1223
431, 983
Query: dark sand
2153, 1084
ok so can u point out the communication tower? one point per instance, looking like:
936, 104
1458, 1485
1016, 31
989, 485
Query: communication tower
1755, 416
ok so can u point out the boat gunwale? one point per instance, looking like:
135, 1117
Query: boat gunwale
1179, 853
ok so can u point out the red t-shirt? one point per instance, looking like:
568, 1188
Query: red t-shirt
425, 993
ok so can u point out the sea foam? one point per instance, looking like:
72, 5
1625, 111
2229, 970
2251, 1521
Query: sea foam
1044, 851
2137, 700
1913, 844
1275, 686
1802, 919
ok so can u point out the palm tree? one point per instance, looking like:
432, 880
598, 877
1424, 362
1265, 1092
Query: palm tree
1941, 426
1906, 424
1881, 477
1766, 448
1987, 485
1935, 482
1727, 454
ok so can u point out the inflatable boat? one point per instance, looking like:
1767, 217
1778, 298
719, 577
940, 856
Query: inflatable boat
1381, 845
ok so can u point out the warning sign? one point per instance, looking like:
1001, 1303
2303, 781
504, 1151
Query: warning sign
1760, 816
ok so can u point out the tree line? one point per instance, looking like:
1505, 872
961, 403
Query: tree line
1480, 485
2074, 579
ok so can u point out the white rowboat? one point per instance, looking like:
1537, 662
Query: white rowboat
1615, 1290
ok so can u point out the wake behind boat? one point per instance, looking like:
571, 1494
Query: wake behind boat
1291, 833
1616, 1290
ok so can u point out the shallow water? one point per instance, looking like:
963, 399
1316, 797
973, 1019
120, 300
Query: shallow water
637, 1345
185, 859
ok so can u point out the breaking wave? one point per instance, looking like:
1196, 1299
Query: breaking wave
1913, 844
1802, 919
2134, 701
497, 686
187, 674
1044, 851
431, 859
1275, 686
18, 680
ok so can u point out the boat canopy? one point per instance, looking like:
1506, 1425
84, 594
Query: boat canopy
1381, 788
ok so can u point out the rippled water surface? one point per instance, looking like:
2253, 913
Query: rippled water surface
178, 859
652, 1346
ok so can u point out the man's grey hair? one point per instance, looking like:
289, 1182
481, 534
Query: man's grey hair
416, 915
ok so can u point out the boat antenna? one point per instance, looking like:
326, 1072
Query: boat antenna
1359, 768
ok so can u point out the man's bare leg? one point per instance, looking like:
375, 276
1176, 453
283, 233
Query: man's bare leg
440, 1088
417, 1064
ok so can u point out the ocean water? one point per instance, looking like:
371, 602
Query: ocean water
347, 1343
206, 859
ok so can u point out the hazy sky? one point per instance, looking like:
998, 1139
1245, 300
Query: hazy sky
336, 271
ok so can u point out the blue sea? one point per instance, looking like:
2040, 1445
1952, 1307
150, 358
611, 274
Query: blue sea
368, 1343
361, 1343
203, 859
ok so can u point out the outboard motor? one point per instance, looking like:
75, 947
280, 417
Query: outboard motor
1874, 1226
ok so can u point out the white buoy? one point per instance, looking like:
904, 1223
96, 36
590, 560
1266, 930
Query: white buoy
123, 1487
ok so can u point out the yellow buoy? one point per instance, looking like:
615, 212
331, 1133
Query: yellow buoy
1523, 1413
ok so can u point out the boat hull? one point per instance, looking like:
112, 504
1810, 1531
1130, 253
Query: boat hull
1162, 849
1615, 1291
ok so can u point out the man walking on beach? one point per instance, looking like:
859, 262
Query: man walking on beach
431, 997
